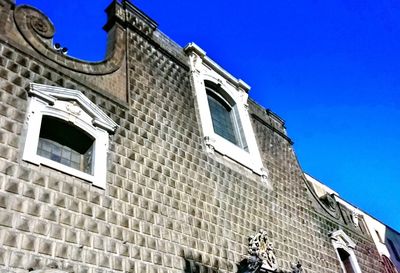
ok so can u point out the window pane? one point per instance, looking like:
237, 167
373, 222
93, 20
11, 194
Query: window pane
222, 119
65, 144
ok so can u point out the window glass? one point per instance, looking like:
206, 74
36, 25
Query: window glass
222, 119
65, 144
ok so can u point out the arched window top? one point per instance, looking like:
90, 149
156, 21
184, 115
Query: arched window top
388, 265
73, 149
219, 91
222, 105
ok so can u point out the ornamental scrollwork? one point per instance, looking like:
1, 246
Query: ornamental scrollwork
38, 30
263, 250
262, 257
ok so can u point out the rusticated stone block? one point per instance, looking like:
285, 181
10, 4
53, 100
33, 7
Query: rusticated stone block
46, 247
135, 252
50, 214
95, 198
41, 227
40, 180
34, 261
87, 209
117, 233
80, 221
90, 257
71, 236
17, 259
85, 239
112, 217
98, 242
6, 218
107, 202
24, 223
29, 191
60, 200
92, 226
112, 246
81, 269
67, 188
117, 263
66, 217
77, 253
74, 205
147, 255
12, 185
3, 256
45, 196
124, 250
157, 258
105, 229
24, 174
4, 200
29, 242
104, 260
54, 184
82, 194
56, 232
11, 239
100, 213
62, 250
33, 208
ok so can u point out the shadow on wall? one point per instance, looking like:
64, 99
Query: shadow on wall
192, 266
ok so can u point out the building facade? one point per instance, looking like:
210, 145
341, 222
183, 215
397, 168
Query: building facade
386, 239
152, 160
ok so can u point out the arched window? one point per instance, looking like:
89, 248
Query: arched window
225, 118
65, 143
344, 247
222, 102
388, 265
67, 132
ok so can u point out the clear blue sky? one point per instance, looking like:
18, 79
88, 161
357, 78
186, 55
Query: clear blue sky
330, 69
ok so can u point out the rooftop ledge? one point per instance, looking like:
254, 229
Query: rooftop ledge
194, 48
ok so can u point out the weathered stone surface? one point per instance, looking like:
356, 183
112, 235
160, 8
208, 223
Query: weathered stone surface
168, 205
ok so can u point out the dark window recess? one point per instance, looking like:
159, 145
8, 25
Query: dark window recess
66, 144
345, 258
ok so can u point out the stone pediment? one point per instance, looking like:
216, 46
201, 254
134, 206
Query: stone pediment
51, 94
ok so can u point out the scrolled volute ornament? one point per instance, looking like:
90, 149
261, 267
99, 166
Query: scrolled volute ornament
38, 30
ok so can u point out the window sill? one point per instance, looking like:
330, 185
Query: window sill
39, 160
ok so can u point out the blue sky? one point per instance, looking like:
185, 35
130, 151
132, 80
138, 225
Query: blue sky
330, 69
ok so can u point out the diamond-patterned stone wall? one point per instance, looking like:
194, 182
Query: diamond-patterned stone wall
168, 205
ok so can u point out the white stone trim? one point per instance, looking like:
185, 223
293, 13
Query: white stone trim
204, 69
341, 240
71, 106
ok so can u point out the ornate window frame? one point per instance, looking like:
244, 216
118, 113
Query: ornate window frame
75, 108
206, 70
341, 240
